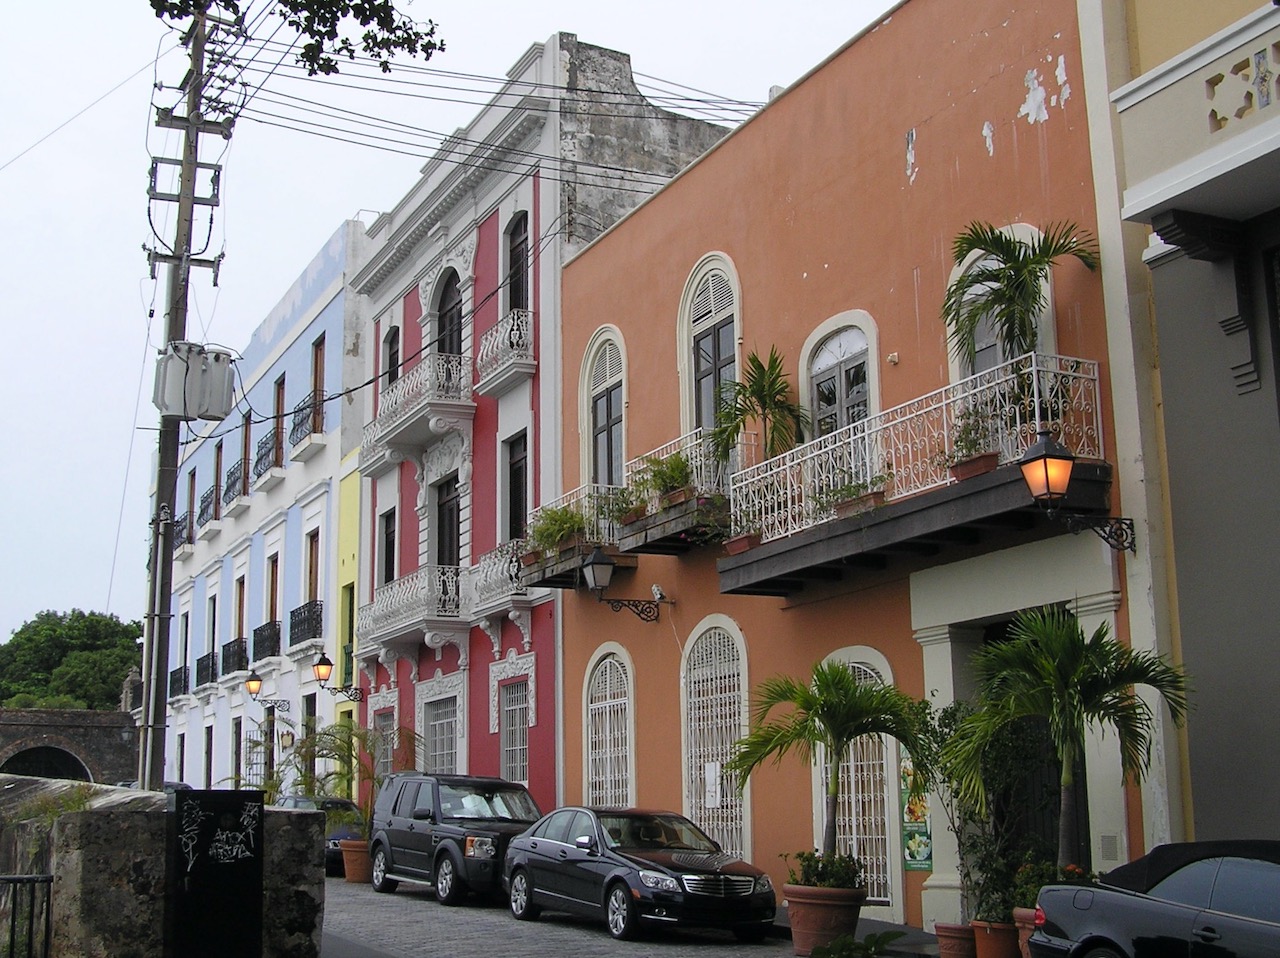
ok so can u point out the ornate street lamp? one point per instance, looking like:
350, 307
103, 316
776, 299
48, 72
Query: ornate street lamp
597, 569
253, 684
1046, 468
323, 670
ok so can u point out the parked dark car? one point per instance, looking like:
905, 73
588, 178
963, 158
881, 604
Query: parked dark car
633, 867
449, 831
343, 821
1219, 899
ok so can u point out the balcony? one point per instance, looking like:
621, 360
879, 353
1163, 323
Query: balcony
235, 489
207, 669
266, 641
417, 409
268, 464
179, 682
493, 586
235, 656
505, 355
928, 516
402, 611
207, 520
306, 436
306, 623
594, 510
183, 540
1201, 132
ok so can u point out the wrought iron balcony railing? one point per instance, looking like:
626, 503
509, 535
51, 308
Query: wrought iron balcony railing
179, 681
183, 534
207, 669
308, 419
596, 504
266, 640
269, 454
430, 592
236, 482
439, 377
235, 656
509, 341
208, 506
908, 449
306, 622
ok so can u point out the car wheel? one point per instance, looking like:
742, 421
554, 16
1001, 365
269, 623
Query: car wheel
450, 888
379, 879
620, 912
752, 934
522, 906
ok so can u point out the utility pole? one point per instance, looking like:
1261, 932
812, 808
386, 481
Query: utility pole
155, 664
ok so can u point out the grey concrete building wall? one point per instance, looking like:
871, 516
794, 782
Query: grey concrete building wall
1216, 328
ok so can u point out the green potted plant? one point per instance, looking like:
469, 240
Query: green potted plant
1034, 872
972, 451
629, 503
851, 498
824, 716
554, 525
670, 476
762, 397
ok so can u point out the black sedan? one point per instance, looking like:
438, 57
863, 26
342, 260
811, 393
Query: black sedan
1219, 899
633, 867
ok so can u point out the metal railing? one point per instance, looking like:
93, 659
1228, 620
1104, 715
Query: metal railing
509, 341
907, 450
237, 481
235, 656
266, 640
596, 504
182, 530
269, 454
430, 592
180, 681
438, 377
208, 506
26, 908
306, 622
308, 419
207, 669
708, 473
496, 574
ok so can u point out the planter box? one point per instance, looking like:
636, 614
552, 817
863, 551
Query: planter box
675, 497
633, 516
531, 558
863, 503
736, 545
975, 466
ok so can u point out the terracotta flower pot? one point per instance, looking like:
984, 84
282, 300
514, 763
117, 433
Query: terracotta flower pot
995, 939
820, 915
863, 503
356, 863
736, 545
1024, 919
975, 466
955, 941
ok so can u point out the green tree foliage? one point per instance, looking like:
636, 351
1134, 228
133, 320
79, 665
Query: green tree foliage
61, 658
762, 398
320, 24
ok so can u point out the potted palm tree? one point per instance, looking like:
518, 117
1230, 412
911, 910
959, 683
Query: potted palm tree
1048, 669
1003, 282
826, 714
762, 397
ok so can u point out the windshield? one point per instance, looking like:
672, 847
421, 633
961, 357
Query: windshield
464, 801
654, 831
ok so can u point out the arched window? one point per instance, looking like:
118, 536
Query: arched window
713, 719
449, 319
391, 352
518, 262
606, 415
608, 779
711, 316
862, 819
839, 394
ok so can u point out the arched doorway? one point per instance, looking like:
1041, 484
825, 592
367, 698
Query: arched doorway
45, 761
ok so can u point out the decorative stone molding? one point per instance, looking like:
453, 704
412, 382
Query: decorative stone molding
513, 666
438, 640
493, 629
524, 621
380, 701
442, 686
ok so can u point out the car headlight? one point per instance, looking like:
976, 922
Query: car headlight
659, 881
481, 847
764, 884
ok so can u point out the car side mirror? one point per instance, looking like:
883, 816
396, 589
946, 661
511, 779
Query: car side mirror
585, 842
423, 815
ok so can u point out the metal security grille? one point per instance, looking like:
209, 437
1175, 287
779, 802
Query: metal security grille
442, 735
862, 820
713, 710
384, 724
514, 731
608, 721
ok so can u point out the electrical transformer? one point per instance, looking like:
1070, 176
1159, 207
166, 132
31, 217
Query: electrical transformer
193, 382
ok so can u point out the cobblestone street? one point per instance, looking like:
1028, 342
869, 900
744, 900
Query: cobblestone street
360, 923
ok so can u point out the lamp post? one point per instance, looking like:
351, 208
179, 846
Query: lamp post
323, 669
597, 569
1046, 468
253, 684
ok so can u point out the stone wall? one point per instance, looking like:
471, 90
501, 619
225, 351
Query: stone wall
105, 743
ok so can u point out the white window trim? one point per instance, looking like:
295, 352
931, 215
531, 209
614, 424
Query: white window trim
443, 686
513, 666
863, 321
715, 260
599, 339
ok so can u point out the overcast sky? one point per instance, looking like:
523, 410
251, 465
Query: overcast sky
75, 288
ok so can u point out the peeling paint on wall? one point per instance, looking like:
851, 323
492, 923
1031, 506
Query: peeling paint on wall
911, 156
1033, 108
989, 134
1061, 75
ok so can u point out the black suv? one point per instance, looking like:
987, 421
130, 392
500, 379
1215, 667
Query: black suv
450, 831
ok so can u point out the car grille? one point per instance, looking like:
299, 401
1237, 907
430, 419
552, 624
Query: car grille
721, 886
